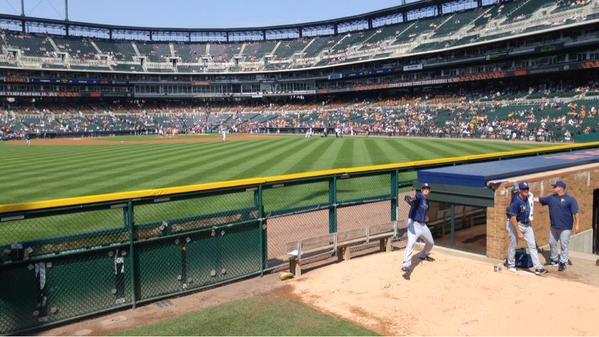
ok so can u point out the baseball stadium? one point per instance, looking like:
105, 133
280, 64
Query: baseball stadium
429, 168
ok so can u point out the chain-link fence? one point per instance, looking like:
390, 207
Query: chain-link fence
75, 260
65, 263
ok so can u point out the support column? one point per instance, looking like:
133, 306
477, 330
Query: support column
259, 204
452, 233
394, 196
130, 225
333, 205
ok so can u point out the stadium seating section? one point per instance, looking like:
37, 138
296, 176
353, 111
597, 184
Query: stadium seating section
554, 113
425, 34
121, 51
155, 52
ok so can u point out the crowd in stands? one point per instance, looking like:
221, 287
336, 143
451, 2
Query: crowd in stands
545, 114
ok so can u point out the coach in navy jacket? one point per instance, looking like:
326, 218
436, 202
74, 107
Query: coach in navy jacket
563, 213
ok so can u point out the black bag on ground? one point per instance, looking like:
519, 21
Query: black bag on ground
523, 259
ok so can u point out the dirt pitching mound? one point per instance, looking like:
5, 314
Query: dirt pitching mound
451, 296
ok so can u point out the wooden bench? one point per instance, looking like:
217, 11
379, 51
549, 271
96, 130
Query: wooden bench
340, 244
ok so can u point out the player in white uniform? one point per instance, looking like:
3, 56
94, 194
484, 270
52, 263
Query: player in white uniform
417, 228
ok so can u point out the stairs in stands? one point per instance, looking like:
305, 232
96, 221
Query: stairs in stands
53, 44
340, 40
274, 50
307, 46
172, 49
401, 33
442, 24
98, 51
508, 15
137, 53
242, 49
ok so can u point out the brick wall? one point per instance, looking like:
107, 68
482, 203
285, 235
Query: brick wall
581, 181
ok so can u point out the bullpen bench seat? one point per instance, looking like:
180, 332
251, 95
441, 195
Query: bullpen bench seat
340, 244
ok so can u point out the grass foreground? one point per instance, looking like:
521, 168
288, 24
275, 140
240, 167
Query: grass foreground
261, 316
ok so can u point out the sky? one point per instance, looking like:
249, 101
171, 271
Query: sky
196, 13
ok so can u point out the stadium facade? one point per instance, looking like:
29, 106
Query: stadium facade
421, 44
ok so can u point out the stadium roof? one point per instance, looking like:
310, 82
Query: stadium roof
372, 14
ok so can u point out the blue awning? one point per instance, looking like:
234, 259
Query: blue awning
478, 175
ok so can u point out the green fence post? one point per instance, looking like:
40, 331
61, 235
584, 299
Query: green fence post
258, 201
130, 227
394, 195
333, 205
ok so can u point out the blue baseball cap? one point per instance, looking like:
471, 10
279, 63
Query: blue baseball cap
560, 183
523, 186
426, 185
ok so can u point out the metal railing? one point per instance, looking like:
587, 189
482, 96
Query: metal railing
70, 258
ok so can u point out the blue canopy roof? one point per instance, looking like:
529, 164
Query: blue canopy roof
477, 175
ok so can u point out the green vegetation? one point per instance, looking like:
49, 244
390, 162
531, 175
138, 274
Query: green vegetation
50, 172
154, 138
263, 316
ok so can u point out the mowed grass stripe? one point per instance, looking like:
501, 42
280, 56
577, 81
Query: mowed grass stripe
311, 158
43, 154
391, 152
124, 158
132, 167
451, 149
265, 164
412, 150
121, 155
209, 166
433, 150
161, 174
14, 154
169, 165
225, 169
118, 179
134, 153
375, 153
83, 154
481, 147
172, 174
345, 155
498, 147
35, 158
401, 150
290, 159
326, 157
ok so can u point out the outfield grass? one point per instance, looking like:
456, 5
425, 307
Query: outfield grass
155, 137
264, 316
49, 172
